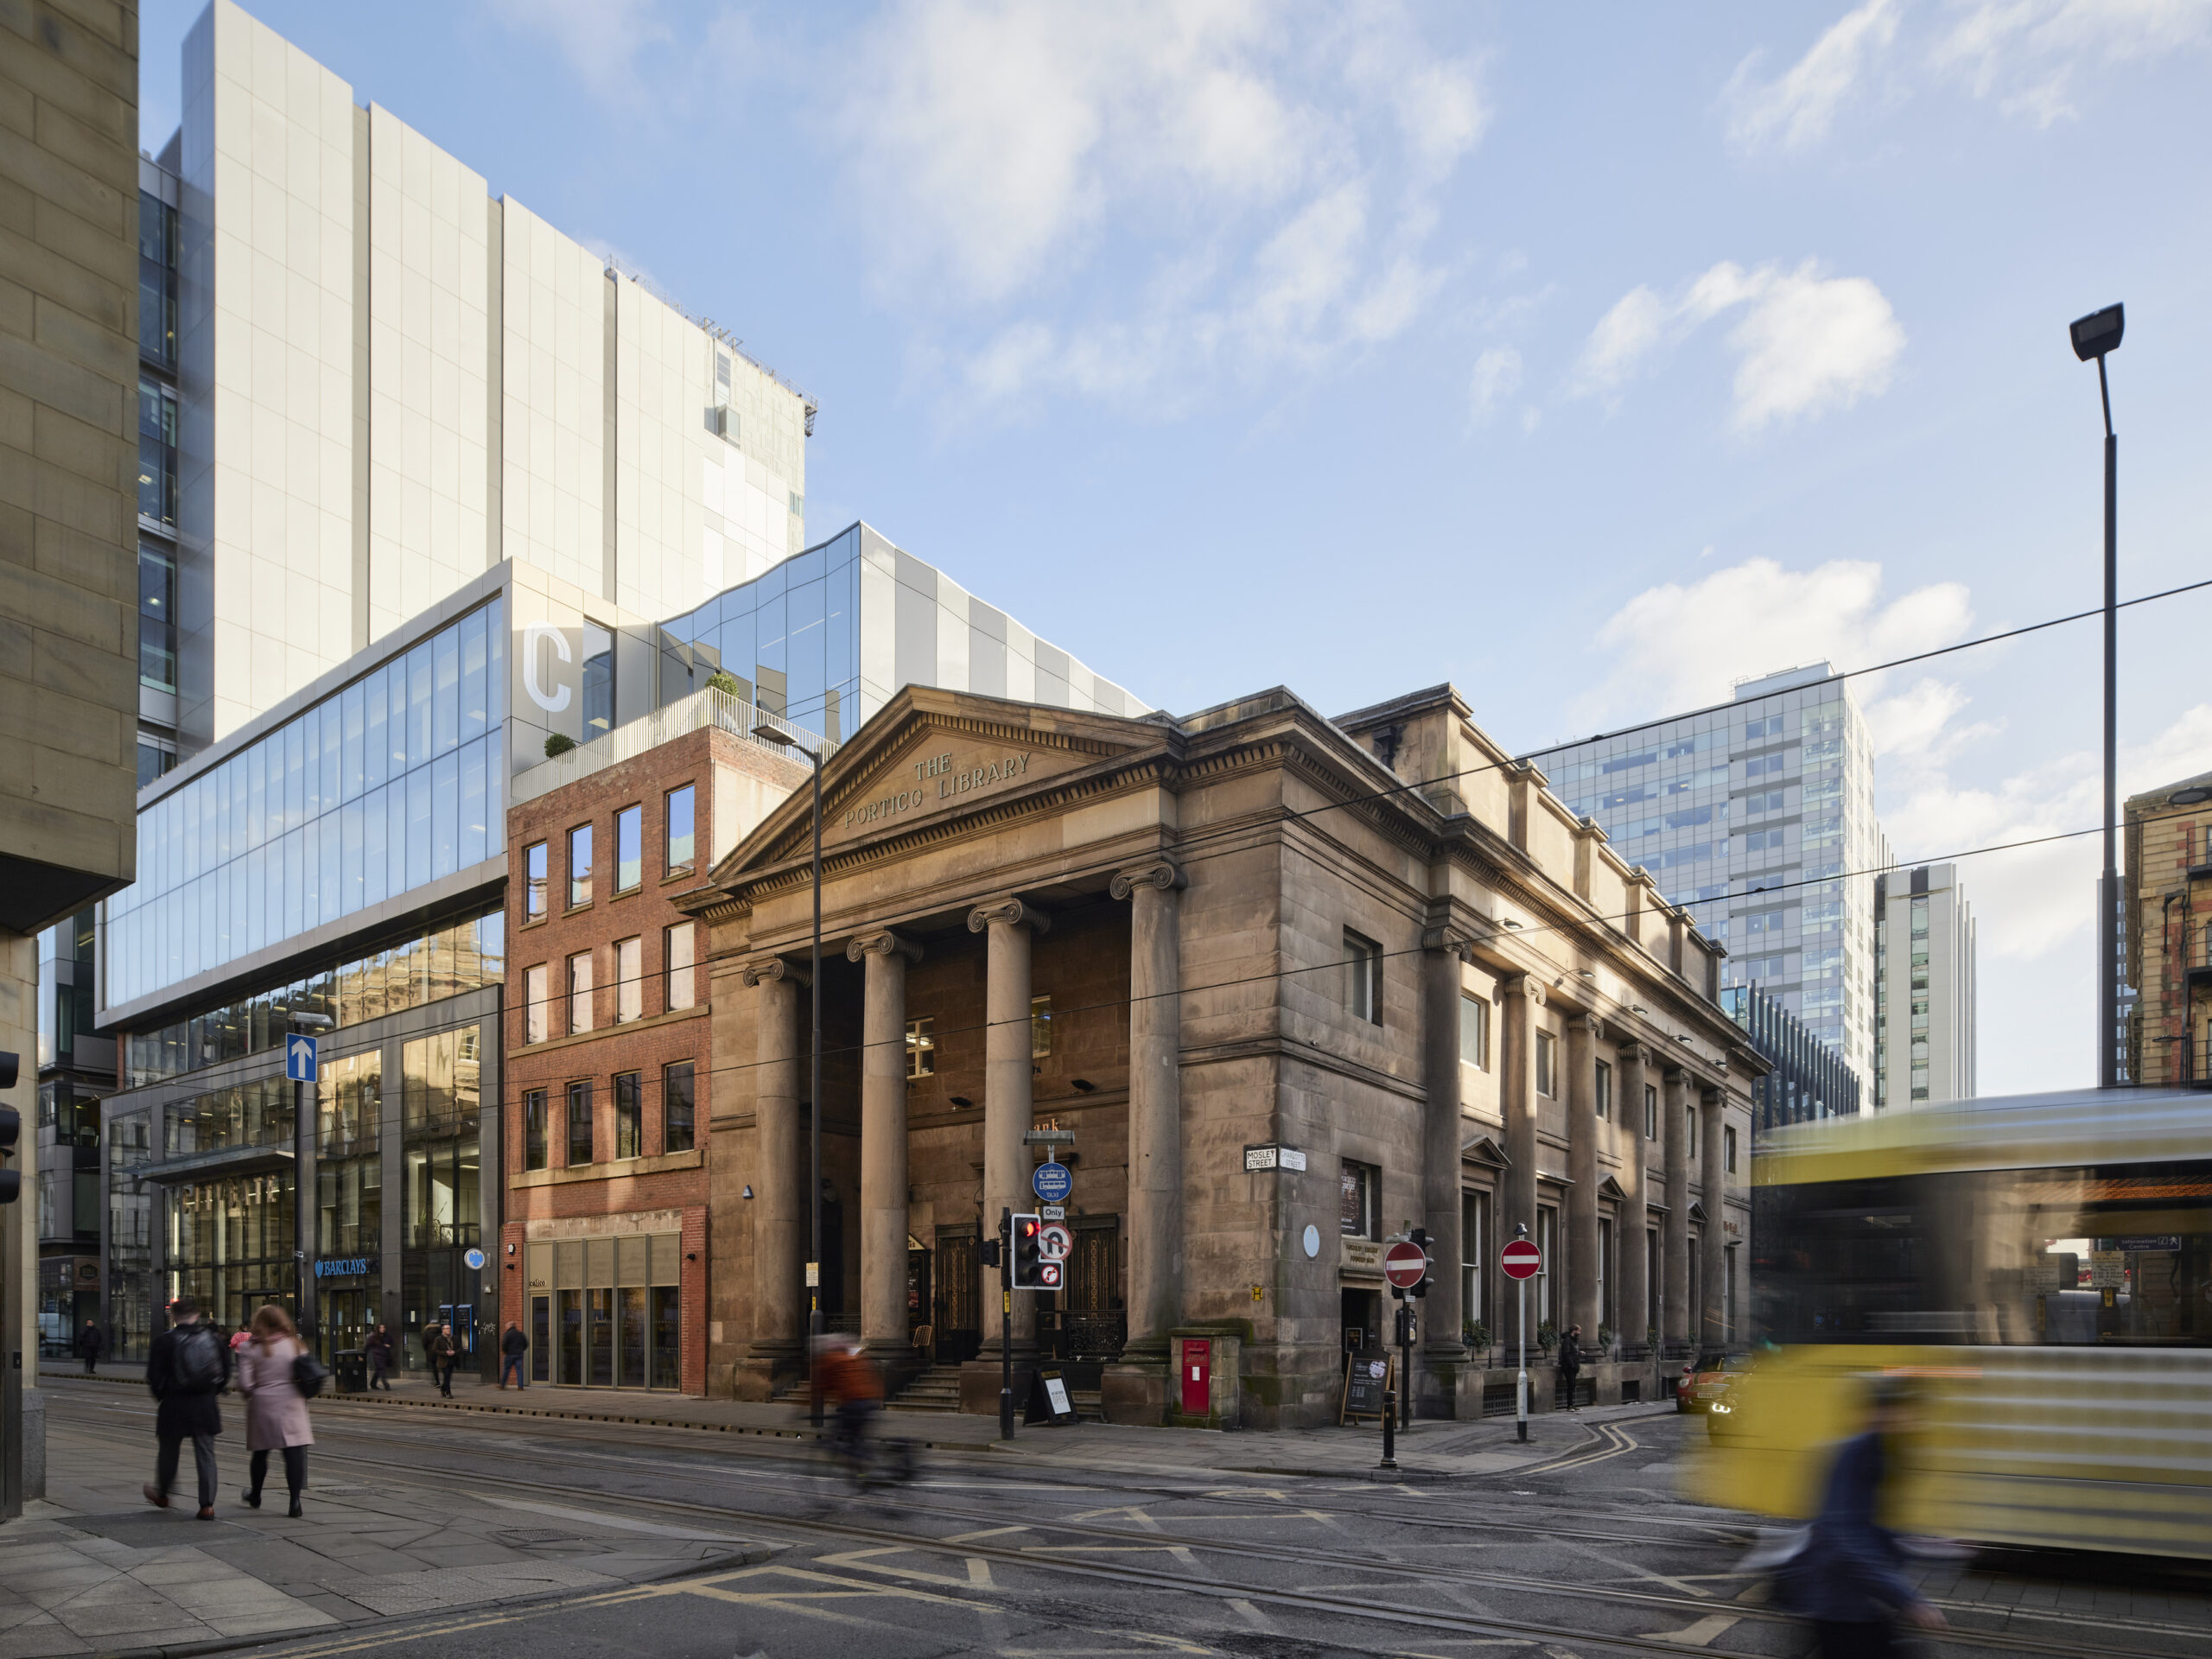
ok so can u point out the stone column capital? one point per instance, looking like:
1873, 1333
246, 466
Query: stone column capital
1588, 1022
1526, 985
1013, 912
1642, 1054
774, 968
1448, 941
882, 943
1158, 873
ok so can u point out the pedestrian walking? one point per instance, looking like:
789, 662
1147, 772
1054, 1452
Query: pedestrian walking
1848, 1575
186, 1369
91, 1344
276, 1411
442, 1352
1570, 1363
379, 1349
512, 1346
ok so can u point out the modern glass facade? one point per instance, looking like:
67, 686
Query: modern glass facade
383, 787
1760, 817
828, 636
1809, 1080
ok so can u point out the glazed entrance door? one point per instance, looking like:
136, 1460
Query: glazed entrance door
958, 1296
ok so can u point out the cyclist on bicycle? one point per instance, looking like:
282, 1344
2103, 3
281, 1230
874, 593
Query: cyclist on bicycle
849, 1381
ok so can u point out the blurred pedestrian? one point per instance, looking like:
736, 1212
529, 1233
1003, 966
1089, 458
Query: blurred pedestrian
442, 1355
186, 1369
1848, 1576
91, 1344
512, 1346
848, 1379
276, 1411
1570, 1363
379, 1349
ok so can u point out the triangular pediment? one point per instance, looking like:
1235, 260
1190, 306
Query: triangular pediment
1697, 1211
1479, 1148
1610, 1188
931, 756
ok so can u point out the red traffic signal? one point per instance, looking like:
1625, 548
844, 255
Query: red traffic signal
1029, 1263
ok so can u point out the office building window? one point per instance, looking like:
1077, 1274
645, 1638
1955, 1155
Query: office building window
1547, 1241
921, 1048
629, 849
580, 992
1604, 1097
533, 864
599, 681
156, 618
580, 866
533, 1004
1545, 1043
1040, 1027
1728, 1140
678, 853
1604, 1277
533, 1129
629, 980
629, 1116
1651, 1113
677, 940
1359, 1191
1474, 1252
156, 453
155, 757
1363, 977
1474, 1032
676, 1107
1689, 1133
579, 1125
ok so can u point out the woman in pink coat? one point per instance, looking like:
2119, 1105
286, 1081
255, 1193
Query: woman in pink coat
276, 1416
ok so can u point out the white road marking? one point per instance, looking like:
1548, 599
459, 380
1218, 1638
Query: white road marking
1702, 1633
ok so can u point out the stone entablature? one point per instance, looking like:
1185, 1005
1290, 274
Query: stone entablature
1148, 932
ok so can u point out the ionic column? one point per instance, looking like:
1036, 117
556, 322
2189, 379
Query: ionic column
778, 1208
1675, 1238
1155, 1221
1712, 1275
883, 1140
1441, 1130
1582, 1033
1518, 999
1011, 925
1633, 1298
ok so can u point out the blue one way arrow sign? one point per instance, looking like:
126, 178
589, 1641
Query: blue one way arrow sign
299, 1059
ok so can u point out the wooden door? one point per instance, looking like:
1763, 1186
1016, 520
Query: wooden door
958, 1298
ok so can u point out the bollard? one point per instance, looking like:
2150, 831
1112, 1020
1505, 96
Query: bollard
1389, 1429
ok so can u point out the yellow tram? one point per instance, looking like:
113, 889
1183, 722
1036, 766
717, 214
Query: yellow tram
2044, 1263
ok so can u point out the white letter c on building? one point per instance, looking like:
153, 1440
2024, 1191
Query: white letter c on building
554, 701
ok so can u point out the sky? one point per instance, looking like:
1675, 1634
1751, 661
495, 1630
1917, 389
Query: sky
1591, 360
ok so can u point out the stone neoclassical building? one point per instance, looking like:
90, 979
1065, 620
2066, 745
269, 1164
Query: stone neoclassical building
1294, 985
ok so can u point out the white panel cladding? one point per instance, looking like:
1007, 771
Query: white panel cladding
266, 372
668, 478
553, 366
429, 356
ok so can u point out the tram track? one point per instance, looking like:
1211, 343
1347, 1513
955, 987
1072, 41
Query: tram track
1055, 1563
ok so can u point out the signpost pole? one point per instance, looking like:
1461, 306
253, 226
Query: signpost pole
1521, 1383
1006, 1325
1389, 1440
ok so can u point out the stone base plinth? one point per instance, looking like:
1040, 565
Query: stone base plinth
1134, 1388
760, 1373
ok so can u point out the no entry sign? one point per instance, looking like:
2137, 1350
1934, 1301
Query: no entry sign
1522, 1259
1405, 1264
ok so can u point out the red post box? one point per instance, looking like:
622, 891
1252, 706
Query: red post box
1198, 1376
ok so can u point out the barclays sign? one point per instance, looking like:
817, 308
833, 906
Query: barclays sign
344, 1266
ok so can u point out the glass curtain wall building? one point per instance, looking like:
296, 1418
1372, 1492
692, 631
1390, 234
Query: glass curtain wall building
1809, 1080
1760, 817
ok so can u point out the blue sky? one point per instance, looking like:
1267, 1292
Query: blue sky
1588, 360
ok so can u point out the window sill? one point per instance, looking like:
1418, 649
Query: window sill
614, 1169
687, 873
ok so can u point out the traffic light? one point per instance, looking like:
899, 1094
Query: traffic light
1421, 1237
11, 1126
1028, 1263
986, 1252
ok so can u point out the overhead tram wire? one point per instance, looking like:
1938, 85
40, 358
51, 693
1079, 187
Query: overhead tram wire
1524, 929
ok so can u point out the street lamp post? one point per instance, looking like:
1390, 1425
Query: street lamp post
303, 1214
771, 735
2096, 336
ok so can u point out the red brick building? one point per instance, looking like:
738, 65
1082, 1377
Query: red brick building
605, 1252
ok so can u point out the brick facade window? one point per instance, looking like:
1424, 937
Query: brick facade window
580, 992
678, 956
534, 897
533, 1129
629, 1116
580, 866
677, 854
579, 1126
629, 980
534, 995
629, 849
677, 1108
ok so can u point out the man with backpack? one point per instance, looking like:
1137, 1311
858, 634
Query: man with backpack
188, 1367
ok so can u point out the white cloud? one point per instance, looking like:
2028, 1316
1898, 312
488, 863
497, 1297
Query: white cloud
601, 39
1756, 617
1807, 343
1799, 107
1497, 376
